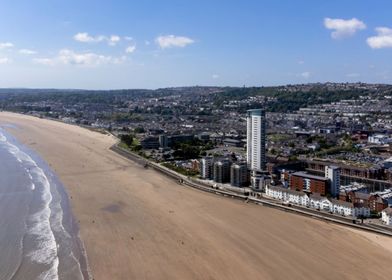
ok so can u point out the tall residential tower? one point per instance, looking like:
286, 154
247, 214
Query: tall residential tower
256, 152
256, 138
333, 174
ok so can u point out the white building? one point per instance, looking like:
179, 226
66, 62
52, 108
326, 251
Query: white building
286, 195
361, 211
342, 207
333, 174
386, 216
379, 139
318, 202
206, 167
256, 151
256, 138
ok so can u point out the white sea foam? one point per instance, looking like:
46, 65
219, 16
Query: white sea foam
3, 138
40, 226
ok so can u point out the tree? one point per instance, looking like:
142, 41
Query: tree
127, 139
139, 129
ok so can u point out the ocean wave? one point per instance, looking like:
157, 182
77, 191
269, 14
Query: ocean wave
3, 138
40, 227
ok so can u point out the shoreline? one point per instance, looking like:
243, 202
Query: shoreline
78, 243
47, 189
136, 223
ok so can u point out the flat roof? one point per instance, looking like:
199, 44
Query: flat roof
231, 140
256, 112
310, 176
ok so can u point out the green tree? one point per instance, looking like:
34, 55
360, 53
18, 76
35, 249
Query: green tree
127, 139
140, 129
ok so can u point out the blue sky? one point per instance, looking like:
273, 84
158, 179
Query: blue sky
150, 44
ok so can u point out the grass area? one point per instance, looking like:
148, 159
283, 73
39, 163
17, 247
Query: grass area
334, 150
124, 146
180, 170
136, 142
279, 137
133, 150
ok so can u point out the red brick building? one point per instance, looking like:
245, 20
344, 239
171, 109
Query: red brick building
374, 202
306, 182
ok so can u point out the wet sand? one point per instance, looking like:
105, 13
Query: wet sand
138, 224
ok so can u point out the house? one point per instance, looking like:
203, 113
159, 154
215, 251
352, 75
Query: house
377, 203
361, 210
386, 216
372, 201
342, 207
345, 208
379, 139
286, 195
316, 201
319, 202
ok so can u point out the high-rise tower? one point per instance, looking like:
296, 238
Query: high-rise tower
333, 174
256, 137
256, 152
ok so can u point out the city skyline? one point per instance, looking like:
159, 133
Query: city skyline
125, 44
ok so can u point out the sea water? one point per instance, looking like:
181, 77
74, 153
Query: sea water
38, 235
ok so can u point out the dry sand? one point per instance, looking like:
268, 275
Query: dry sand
138, 224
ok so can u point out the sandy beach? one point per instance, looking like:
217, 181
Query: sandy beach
138, 224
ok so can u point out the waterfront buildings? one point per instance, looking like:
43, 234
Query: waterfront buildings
150, 143
256, 138
333, 174
239, 174
386, 216
303, 181
221, 171
256, 148
318, 202
287, 195
373, 201
206, 168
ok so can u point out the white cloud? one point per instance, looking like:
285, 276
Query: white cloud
70, 57
113, 40
27, 52
84, 37
170, 41
128, 38
383, 39
6, 45
343, 28
305, 75
4, 60
44, 61
353, 75
130, 49
215, 76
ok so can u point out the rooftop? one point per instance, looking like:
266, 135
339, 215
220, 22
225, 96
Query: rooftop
286, 190
310, 176
388, 211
